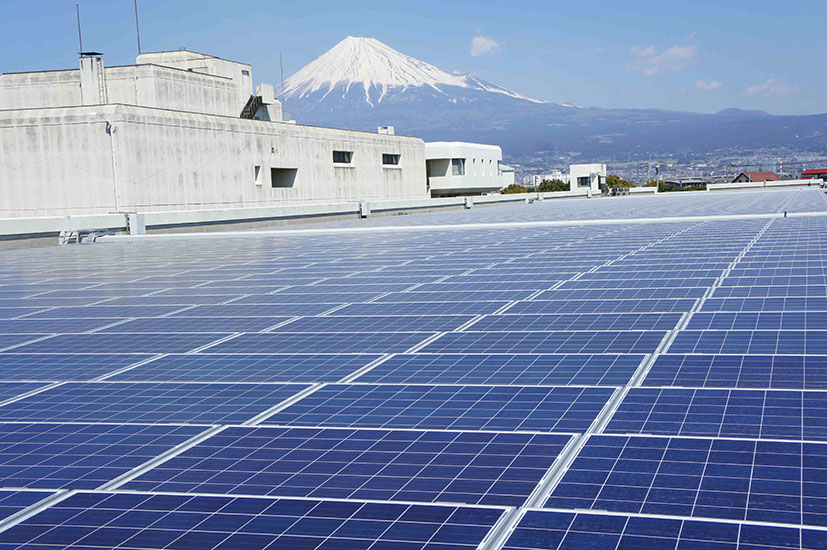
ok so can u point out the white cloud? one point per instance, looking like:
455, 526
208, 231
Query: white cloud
482, 45
772, 86
651, 62
708, 85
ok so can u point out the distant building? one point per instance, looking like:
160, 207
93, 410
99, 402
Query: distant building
745, 177
456, 168
507, 174
814, 174
536, 180
587, 176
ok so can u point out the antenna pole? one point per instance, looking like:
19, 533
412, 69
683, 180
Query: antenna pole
80, 36
137, 27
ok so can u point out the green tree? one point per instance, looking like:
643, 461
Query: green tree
616, 181
549, 186
514, 188
653, 183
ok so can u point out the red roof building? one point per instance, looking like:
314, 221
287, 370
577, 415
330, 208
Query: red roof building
815, 173
744, 177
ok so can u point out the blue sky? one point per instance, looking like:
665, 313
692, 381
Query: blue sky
684, 55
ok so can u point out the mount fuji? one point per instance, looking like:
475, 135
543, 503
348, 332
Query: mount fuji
362, 83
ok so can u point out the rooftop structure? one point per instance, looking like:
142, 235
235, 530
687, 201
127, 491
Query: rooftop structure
456, 168
443, 381
756, 176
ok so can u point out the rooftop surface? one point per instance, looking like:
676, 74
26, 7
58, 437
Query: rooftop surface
606, 373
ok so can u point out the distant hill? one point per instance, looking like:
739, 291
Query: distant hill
362, 83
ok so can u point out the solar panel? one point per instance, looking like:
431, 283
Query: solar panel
591, 322
506, 369
610, 341
761, 342
63, 366
388, 465
80, 456
151, 402
119, 343
563, 409
772, 414
322, 342
247, 368
772, 481
95, 520
556, 530
12, 502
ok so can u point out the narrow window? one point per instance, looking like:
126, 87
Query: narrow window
390, 160
257, 173
342, 157
458, 167
282, 177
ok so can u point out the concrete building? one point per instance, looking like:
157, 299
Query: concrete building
587, 176
179, 131
456, 168
537, 179
507, 174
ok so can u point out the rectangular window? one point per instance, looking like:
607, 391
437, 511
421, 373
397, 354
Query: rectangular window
245, 72
342, 157
282, 177
458, 167
390, 160
257, 174
584, 181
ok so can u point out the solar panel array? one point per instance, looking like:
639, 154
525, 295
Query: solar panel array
644, 384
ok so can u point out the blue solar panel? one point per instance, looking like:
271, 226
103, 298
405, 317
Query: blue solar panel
596, 322
149, 402
46, 326
328, 342
515, 369
12, 502
106, 520
119, 343
546, 342
402, 465
9, 390
385, 323
760, 342
62, 366
562, 409
620, 293
603, 306
773, 414
10, 340
112, 313
181, 325
765, 304
769, 481
253, 310
768, 320
471, 296
421, 308
80, 456
247, 368
547, 530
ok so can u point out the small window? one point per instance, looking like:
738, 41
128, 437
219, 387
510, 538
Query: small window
342, 157
458, 167
584, 181
390, 160
282, 177
257, 174
245, 72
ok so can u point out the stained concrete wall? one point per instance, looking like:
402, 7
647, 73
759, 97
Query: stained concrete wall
65, 162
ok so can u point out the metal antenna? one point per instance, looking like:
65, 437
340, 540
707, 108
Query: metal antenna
137, 28
80, 37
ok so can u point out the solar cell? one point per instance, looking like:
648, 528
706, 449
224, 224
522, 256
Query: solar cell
148, 402
513, 369
506, 408
747, 342
770, 481
197, 324
129, 520
253, 310
103, 312
402, 465
48, 326
420, 308
247, 368
603, 306
12, 502
384, 323
80, 456
595, 322
13, 340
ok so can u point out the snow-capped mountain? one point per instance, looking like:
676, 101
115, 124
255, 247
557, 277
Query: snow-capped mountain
362, 83
371, 68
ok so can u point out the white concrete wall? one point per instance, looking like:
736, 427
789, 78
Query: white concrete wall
586, 171
60, 161
481, 168
144, 85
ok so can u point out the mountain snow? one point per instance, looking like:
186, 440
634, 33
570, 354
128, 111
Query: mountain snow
377, 68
